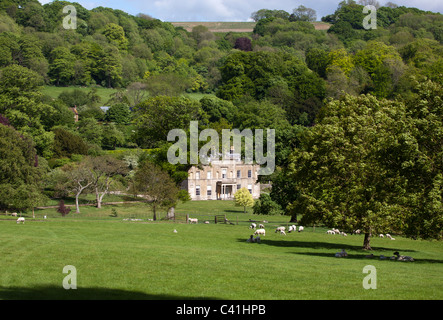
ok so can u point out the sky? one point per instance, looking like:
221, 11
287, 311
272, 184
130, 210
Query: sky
230, 10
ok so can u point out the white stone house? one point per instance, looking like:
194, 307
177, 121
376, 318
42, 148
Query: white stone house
220, 179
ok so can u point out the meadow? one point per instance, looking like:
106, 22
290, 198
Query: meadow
119, 259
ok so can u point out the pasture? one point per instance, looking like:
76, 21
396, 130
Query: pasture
118, 259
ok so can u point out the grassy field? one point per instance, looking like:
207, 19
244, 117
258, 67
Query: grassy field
118, 259
54, 92
234, 26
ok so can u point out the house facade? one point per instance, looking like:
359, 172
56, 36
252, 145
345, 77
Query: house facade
221, 179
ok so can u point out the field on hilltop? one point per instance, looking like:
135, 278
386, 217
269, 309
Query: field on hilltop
234, 26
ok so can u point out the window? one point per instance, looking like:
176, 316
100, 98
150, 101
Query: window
208, 190
250, 188
197, 175
224, 173
209, 175
238, 186
197, 190
249, 173
238, 174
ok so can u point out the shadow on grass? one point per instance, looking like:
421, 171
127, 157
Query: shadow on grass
58, 293
323, 245
388, 252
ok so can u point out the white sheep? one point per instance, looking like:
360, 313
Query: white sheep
260, 231
261, 226
21, 219
14, 214
206, 222
291, 228
389, 236
191, 220
381, 235
280, 229
300, 229
253, 226
330, 232
283, 232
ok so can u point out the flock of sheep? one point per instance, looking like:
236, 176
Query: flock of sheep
262, 231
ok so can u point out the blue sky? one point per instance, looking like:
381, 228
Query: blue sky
230, 10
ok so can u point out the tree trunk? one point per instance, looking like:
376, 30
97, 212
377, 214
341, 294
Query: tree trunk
366, 242
98, 199
77, 208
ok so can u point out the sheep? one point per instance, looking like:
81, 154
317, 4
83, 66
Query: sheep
381, 235
206, 222
300, 229
341, 254
330, 232
253, 226
21, 219
283, 232
14, 214
291, 228
191, 220
260, 231
358, 231
261, 226
280, 229
389, 236
175, 231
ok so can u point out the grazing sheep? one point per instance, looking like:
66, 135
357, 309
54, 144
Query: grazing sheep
389, 236
381, 235
330, 232
261, 226
280, 229
253, 226
206, 222
358, 231
191, 220
301, 228
14, 214
21, 219
403, 258
291, 228
341, 254
260, 231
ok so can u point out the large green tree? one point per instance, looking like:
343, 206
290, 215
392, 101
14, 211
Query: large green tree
20, 172
353, 169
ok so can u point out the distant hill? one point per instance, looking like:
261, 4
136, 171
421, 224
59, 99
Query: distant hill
234, 26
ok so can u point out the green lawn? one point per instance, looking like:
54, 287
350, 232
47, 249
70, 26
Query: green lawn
117, 259
54, 92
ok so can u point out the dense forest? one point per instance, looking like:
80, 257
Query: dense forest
378, 90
